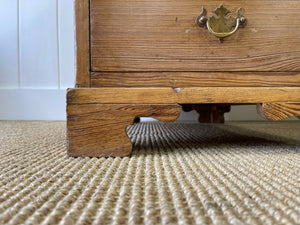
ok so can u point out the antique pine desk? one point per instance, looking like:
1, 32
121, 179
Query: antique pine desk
149, 57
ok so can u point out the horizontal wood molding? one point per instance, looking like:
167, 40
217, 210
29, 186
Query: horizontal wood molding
195, 79
160, 35
184, 95
82, 27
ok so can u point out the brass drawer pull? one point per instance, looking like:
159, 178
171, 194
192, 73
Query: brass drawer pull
221, 26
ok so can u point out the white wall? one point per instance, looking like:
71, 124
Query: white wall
36, 58
37, 61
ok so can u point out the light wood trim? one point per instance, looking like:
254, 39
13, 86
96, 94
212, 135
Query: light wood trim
195, 79
82, 44
184, 95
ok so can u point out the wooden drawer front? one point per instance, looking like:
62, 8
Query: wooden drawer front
161, 35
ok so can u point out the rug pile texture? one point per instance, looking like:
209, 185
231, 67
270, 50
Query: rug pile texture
180, 173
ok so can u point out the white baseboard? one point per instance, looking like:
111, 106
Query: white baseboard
32, 104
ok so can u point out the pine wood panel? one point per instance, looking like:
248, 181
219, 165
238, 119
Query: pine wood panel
161, 35
100, 129
184, 95
82, 45
195, 79
278, 111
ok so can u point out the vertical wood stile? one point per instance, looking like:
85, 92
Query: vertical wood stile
82, 49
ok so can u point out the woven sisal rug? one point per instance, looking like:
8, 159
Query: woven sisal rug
238, 173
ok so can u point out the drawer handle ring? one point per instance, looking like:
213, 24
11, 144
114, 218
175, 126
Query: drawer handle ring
221, 26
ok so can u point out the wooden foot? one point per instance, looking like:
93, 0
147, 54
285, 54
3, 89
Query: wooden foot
278, 111
209, 113
100, 129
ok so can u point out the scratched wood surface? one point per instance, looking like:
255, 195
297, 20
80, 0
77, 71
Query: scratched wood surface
184, 95
161, 35
195, 79
96, 130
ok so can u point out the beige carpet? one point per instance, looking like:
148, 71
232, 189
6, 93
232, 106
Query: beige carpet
239, 173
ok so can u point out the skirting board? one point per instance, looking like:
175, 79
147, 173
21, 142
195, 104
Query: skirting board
32, 104
50, 104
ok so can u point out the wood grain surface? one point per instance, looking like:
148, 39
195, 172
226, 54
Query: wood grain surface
184, 95
82, 45
195, 79
96, 130
161, 35
278, 111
